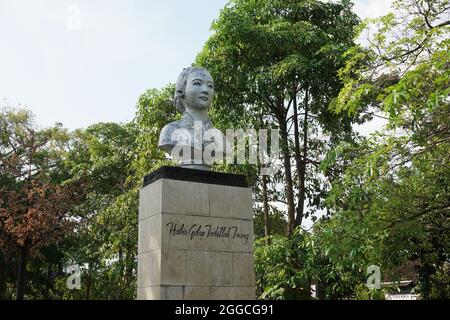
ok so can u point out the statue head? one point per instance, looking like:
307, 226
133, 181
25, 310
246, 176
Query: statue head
194, 89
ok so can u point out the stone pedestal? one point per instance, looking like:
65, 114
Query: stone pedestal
195, 236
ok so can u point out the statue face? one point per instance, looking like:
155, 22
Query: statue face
199, 90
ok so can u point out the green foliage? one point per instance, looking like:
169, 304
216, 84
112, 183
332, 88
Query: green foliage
269, 57
364, 293
261, 50
392, 201
155, 109
112, 160
390, 206
288, 266
279, 268
277, 223
117, 157
106, 237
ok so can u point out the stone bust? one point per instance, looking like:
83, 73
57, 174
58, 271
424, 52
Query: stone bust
193, 140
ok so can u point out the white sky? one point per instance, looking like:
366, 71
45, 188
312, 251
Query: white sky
97, 72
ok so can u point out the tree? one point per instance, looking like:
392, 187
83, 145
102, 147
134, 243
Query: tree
391, 204
34, 205
277, 60
117, 157
155, 108
106, 236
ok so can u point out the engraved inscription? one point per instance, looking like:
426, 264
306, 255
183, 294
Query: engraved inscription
206, 231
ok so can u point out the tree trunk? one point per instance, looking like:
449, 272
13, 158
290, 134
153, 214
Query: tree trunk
21, 273
298, 157
89, 280
266, 210
301, 164
288, 174
129, 268
48, 283
121, 279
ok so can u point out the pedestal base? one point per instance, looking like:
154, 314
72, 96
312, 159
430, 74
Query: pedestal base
195, 236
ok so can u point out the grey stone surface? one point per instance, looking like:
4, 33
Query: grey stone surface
242, 262
222, 293
232, 293
173, 267
198, 271
185, 197
196, 293
149, 233
186, 253
175, 293
230, 202
150, 200
151, 293
244, 293
222, 275
149, 268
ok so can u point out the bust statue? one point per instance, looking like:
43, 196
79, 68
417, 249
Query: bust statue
193, 140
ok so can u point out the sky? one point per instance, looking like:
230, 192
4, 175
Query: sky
95, 70
79, 62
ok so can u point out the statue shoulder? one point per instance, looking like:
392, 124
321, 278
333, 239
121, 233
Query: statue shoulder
165, 137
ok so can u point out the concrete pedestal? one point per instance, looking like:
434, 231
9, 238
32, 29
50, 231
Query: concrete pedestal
195, 236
